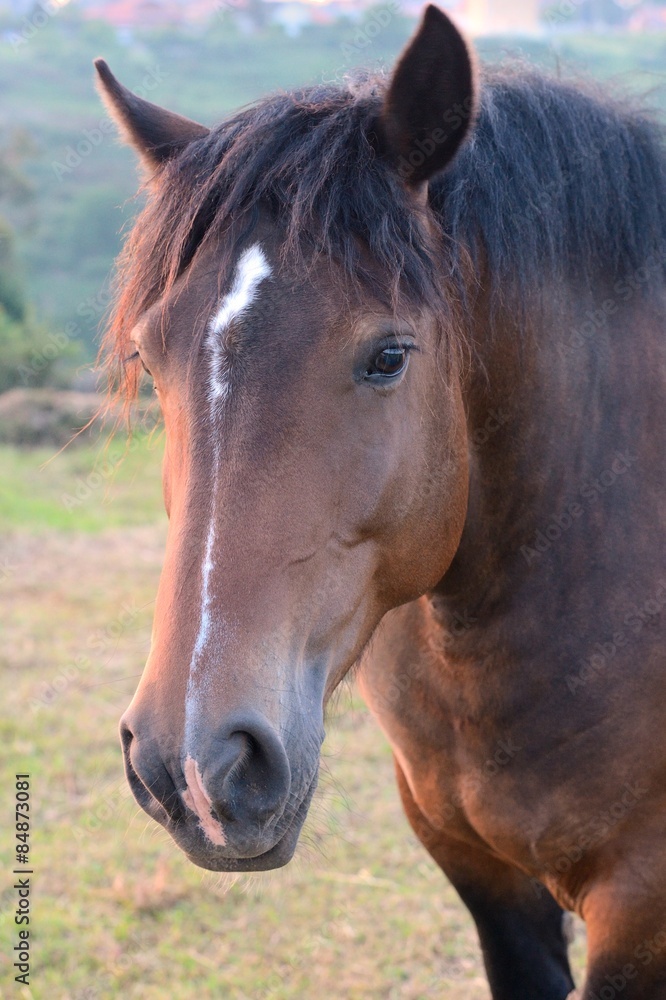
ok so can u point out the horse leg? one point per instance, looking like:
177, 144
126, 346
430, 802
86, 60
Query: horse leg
626, 934
521, 927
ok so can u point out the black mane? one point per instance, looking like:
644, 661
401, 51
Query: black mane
556, 183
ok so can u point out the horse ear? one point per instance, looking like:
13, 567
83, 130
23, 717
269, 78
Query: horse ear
430, 104
156, 134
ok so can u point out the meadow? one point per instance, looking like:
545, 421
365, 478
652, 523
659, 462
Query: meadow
361, 913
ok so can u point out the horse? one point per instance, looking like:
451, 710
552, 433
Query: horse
407, 336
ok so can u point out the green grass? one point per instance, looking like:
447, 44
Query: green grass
86, 488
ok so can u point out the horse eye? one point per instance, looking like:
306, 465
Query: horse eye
137, 357
388, 363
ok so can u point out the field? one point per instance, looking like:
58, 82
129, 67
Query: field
361, 913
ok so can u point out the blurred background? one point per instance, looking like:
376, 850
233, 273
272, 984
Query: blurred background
362, 912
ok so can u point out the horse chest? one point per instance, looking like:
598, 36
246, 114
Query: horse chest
486, 762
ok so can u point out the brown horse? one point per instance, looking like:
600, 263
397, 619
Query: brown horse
408, 341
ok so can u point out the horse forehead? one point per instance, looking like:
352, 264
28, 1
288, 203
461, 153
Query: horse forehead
258, 296
260, 292
205, 298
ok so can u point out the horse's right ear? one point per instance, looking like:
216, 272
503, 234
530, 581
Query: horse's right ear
155, 133
430, 104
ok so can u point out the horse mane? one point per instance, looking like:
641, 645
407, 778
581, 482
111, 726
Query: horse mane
556, 182
559, 182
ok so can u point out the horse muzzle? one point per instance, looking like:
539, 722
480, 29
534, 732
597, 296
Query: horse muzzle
231, 800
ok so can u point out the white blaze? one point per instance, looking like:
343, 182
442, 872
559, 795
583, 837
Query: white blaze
251, 270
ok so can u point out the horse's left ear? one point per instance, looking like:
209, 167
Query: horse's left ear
430, 104
155, 133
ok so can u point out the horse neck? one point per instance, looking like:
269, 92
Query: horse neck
549, 411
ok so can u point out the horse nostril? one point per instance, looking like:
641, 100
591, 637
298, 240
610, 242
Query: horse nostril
148, 776
126, 737
249, 777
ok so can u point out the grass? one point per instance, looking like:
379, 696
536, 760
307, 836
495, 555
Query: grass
361, 914
82, 489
